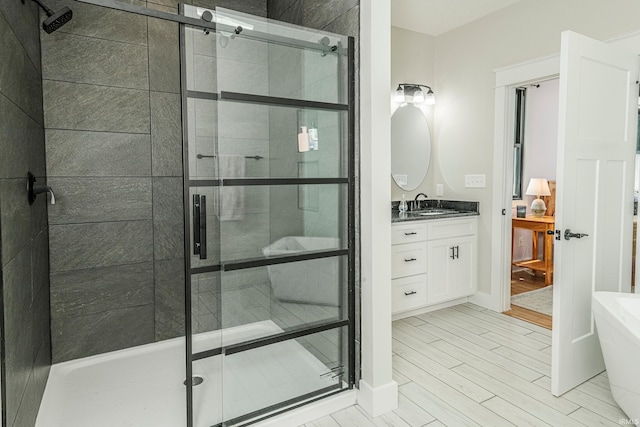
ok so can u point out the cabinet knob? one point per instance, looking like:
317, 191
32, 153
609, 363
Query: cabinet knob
410, 293
409, 259
410, 234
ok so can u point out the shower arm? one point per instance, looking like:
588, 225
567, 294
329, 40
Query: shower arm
44, 7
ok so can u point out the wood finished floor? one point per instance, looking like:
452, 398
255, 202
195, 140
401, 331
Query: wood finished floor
467, 366
521, 282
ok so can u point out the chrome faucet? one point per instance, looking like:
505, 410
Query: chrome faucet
416, 203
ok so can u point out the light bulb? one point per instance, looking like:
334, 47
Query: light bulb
431, 98
399, 96
418, 96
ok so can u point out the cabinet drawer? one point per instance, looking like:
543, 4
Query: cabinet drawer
451, 228
408, 259
407, 233
409, 293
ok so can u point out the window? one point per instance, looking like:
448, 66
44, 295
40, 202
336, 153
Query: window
518, 141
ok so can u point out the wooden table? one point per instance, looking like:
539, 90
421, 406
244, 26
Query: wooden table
537, 225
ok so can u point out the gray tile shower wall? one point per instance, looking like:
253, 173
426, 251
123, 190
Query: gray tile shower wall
24, 263
112, 115
112, 118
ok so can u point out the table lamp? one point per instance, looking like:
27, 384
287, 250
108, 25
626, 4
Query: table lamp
538, 187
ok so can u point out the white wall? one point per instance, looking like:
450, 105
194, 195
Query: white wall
378, 393
412, 57
540, 149
464, 62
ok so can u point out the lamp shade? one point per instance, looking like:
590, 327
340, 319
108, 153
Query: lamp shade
538, 187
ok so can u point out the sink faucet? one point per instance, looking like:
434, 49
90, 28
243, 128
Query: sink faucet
416, 203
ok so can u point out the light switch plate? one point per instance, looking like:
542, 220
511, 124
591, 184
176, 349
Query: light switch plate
475, 181
439, 190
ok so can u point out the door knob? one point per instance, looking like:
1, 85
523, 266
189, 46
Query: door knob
568, 234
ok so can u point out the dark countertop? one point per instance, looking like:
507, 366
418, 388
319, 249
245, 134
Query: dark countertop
449, 208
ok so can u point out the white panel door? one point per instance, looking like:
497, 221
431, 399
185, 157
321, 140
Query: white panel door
595, 172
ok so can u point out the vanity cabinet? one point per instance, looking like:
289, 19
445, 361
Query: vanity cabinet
409, 266
445, 262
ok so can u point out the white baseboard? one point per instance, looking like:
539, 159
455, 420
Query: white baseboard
485, 300
312, 411
379, 400
429, 308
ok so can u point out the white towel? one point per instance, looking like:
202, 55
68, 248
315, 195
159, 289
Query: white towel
231, 198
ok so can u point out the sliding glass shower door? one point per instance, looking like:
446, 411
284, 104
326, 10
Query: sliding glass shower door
269, 189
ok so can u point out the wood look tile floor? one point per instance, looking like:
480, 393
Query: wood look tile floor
467, 366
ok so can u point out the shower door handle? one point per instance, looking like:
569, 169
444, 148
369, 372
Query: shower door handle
200, 226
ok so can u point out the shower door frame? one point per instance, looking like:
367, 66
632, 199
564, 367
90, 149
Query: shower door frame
350, 252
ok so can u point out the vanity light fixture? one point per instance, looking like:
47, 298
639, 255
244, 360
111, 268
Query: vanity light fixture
414, 92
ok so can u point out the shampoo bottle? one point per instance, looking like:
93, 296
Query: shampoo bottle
303, 140
313, 137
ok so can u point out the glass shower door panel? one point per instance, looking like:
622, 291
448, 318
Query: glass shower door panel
206, 313
206, 338
200, 60
267, 117
202, 138
258, 380
261, 141
269, 67
282, 298
261, 221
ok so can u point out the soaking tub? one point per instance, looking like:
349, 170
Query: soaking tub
617, 318
314, 281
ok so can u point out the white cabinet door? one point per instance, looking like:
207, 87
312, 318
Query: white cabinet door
439, 254
451, 268
462, 268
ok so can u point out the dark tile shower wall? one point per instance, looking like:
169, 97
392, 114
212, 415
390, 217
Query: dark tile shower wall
24, 256
112, 114
114, 159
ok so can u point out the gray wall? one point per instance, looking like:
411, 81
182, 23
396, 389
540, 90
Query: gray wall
23, 228
114, 157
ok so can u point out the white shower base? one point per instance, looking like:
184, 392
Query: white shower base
143, 386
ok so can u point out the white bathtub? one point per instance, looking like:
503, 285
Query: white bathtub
617, 318
314, 281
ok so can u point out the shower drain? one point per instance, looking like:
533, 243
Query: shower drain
195, 380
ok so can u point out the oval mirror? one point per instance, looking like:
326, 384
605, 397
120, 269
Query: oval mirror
410, 147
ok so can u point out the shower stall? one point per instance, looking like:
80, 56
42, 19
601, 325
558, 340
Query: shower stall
202, 245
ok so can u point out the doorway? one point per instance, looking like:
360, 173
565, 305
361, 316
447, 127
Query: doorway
534, 166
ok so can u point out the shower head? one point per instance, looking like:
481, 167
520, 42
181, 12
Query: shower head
55, 20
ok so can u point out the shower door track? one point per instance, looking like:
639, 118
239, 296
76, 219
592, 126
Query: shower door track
264, 181
182, 19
